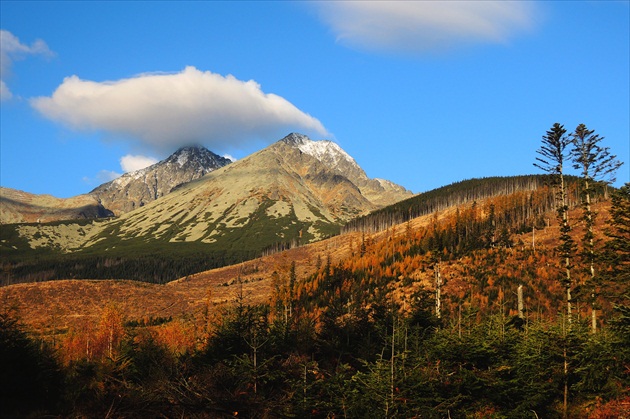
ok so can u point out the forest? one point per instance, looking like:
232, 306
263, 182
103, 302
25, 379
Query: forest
362, 337
506, 304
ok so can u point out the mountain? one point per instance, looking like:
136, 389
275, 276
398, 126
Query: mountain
136, 189
293, 192
279, 194
355, 250
379, 192
23, 207
126, 193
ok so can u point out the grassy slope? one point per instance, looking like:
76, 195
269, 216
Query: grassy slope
147, 258
59, 305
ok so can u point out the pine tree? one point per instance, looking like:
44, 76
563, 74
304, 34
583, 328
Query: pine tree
553, 153
595, 164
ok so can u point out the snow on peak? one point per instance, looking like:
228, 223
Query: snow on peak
133, 175
183, 157
324, 150
197, 154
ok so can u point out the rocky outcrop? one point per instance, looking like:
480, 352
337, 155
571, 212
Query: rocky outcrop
136, 189
378, 191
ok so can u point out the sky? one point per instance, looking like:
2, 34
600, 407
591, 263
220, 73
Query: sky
422, 93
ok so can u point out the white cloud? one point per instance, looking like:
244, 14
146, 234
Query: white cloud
167, 110
229, 157
11, 49
5, 93
130, 163
423, 26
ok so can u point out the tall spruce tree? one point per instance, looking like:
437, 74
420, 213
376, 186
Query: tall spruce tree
596, 164
553, 152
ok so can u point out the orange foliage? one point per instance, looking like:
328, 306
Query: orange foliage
179, 337
109, 332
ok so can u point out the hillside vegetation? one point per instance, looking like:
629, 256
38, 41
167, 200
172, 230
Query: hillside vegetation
459, 193
100, 249
293, 192
418, 319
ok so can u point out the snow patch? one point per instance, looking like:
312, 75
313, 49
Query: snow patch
183, 157
324, 151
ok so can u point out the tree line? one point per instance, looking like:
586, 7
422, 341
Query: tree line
456, 194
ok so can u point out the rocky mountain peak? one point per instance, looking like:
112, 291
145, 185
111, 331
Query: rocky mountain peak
199, 156
329, 153
295, 139
325, 151
138, 188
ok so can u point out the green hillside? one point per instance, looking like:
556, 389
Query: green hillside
147, 258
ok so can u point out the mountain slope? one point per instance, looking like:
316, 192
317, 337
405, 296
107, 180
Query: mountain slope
379, 192
350, 254
135, 189
276, 198
458, 193
129, 191
23, 207
278, 194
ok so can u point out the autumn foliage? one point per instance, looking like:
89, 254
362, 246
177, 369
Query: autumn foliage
360, 336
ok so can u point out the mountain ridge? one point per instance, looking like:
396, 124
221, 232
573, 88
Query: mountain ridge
135, 189
275, 198
18, 206
380, 192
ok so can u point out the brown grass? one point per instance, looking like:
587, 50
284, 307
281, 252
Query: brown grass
56, 306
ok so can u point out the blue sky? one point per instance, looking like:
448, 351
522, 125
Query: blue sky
420, 93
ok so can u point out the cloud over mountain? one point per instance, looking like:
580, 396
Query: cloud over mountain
131, 163
425, 26
166, 110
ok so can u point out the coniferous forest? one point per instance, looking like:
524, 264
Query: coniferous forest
468, 316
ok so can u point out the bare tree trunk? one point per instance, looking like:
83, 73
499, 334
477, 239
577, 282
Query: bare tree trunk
589, 223
569, 317
565, 402
110, 345
521, 310
255, 369
392, 364
438, 292
567, 260
534, 236
459, 321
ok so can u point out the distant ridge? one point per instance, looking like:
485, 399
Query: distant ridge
126, 193
22, 207
457, 193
